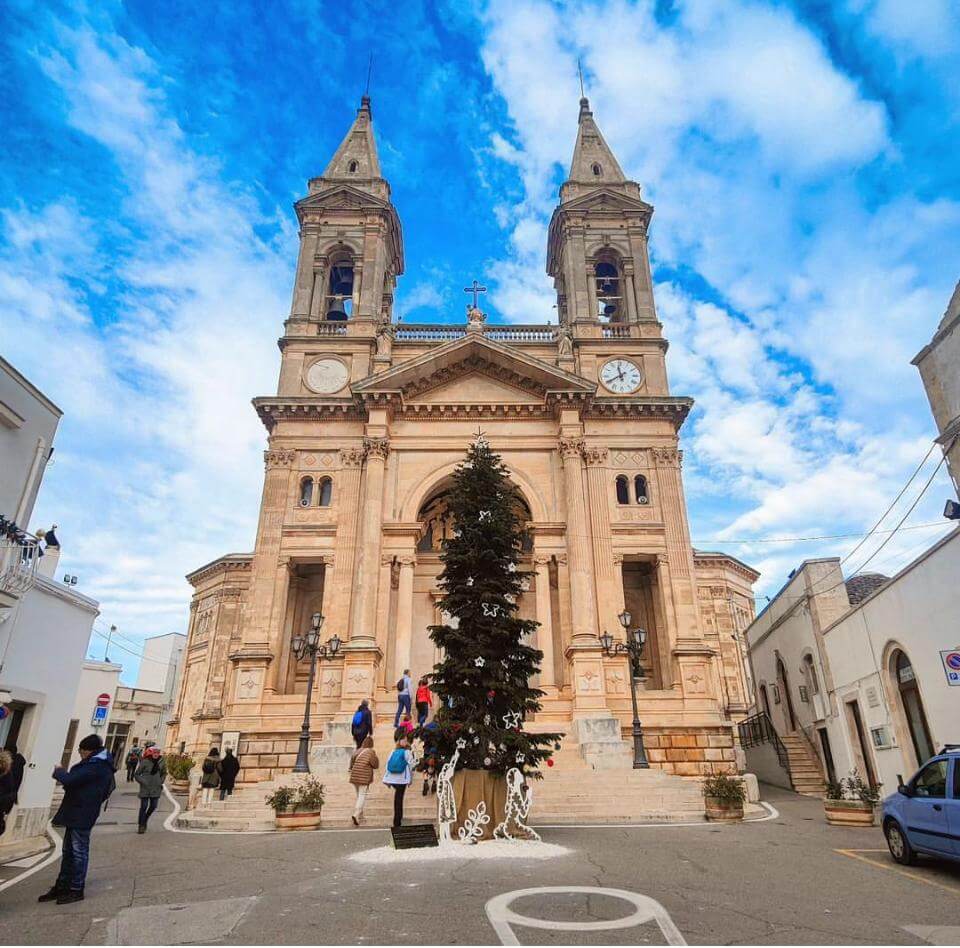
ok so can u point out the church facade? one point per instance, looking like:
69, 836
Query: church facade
370, 419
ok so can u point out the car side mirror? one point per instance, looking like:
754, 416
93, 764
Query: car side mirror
905, 790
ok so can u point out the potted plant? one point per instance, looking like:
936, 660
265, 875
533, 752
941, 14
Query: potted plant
178, 771
297, 807
723, 798
850, 802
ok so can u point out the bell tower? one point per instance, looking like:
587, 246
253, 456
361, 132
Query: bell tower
597, 249
351, 242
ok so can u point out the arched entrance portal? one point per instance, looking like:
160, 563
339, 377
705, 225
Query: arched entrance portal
912, 706
791, 718
415, 594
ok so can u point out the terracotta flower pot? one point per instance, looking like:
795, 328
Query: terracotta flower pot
722, 811
179, 786
297, 819
849, 812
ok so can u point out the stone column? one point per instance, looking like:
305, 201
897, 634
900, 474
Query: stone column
583, 598
669, 670
368, 566
319, 294
348, 499
541, 562
608, 597
404, 633
303, 287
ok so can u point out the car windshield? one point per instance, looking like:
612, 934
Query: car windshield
932, 780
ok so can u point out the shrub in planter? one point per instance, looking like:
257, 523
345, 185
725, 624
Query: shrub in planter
178, 771
298, 807
723, 798
850, 802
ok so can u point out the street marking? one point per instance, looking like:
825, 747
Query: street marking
772, 814
52, 856
892, 866
502, 917
26, 862
935, 934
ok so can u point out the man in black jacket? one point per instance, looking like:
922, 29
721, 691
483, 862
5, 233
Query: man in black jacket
86, 786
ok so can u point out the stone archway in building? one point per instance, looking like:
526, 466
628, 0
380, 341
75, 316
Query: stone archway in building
906, 705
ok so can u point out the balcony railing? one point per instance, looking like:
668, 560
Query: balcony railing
18, 564
434, 332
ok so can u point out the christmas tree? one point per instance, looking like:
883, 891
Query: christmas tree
483, 682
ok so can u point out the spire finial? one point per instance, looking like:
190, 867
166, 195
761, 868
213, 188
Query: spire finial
583, 95
366, 91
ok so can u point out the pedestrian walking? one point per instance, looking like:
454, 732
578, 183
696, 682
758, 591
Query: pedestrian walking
210, 779
362, 723
398, 774
132, 761
87, 785
228, 768
404, 694
429, 734
424, 702
150, 774
404, 728
8, 795
363, 763
17, 768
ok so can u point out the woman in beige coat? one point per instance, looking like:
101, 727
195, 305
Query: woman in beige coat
363, 763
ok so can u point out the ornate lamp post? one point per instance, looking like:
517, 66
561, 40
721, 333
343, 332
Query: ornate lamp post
633, 647
304, 645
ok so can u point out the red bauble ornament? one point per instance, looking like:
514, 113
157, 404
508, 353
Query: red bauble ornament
491, 693
549, 761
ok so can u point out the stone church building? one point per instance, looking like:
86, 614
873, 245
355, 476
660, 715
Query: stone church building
370, 419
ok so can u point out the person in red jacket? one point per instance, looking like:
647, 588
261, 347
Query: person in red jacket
424, 702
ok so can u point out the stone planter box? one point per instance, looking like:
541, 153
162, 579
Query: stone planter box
849, 812
722, 811
297, 819
179, 786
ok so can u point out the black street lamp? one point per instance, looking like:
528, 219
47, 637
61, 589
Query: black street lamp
304, 645
633, 647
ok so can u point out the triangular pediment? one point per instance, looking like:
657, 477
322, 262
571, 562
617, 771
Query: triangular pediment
606, 199
461, 370
340, 195
475, 387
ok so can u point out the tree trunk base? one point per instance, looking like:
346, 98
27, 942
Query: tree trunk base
470, 789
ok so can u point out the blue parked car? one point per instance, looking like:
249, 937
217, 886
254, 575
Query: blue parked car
923, 816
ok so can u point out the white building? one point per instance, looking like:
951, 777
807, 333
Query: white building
43, 644
159, 674
96, 689
28, 422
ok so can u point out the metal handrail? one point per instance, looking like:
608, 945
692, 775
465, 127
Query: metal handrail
759, 729
18, 564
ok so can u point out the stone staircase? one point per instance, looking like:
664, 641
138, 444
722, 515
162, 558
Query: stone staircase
587, 784
805, 772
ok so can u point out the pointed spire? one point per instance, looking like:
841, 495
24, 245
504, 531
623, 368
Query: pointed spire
593, 161
356, 158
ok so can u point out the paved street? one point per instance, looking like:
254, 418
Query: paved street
791, 879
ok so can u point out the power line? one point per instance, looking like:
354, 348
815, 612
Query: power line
140, 655
831, 536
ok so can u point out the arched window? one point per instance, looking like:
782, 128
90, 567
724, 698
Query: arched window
325, 492
306, 492
609, 297
764, 701
811, 674
352, 167
640, 489
912, 705
597, 170
340, 290
623, 490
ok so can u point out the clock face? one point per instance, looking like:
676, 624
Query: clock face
327, 376
621, 376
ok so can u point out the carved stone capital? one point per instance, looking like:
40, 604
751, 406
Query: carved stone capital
617, 559
595, 457
541, 559
377, 447
562, 559
662, 560
279, 457
409, 561
571, 448
386, 559
352, 457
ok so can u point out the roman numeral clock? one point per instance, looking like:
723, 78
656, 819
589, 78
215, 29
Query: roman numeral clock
621, 376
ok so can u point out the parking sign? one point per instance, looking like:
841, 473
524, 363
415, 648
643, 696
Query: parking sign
99, 716
951, 666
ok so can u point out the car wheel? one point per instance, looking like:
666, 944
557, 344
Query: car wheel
899, 845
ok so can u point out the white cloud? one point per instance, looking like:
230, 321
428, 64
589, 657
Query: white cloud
157, 458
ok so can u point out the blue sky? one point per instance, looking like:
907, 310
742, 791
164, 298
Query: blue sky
801, 158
